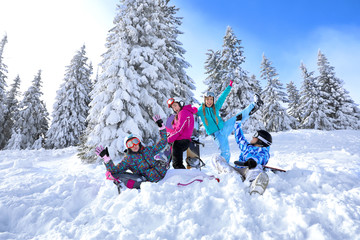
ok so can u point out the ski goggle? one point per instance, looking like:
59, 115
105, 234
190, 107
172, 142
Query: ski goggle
132, 142
256, 135
209, 94
170, 101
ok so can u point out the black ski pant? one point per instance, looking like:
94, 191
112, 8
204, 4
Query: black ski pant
178, 148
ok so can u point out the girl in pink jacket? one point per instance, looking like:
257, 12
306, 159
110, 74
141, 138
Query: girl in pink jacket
183, 126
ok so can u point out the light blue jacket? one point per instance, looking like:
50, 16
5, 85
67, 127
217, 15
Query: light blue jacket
260, 154
210, 116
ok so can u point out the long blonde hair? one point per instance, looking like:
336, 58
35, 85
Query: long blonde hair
213, 107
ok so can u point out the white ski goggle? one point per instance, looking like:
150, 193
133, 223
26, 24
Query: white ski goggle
209, 94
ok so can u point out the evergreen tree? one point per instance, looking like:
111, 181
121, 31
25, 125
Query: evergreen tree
3, 107
142, 68
213, 71
294, 103
340, 107
184, 85
232, 56
255, 84
72, 104
32, 122
13, 109
275, 117
313, 115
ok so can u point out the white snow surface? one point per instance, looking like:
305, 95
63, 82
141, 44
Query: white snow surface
50, 194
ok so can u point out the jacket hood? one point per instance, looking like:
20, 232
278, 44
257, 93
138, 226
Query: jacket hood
192, 110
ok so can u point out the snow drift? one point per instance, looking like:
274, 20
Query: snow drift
50, 194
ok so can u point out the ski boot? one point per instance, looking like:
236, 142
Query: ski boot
194, 162
260, 184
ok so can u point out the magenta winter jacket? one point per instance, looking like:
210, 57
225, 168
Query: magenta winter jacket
184, 125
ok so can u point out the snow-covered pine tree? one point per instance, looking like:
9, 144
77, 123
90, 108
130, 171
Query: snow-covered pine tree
313, 115
184, 85
213, 71
13, 108
3, 107
232, 56
333, 95
294, 103
72, 104
32, 122
142, 68
275, 117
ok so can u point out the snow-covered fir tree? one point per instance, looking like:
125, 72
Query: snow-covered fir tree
72, 104
294, 103
232, 57
3, 107
313, 115
184, 85
142, 68
275, 117
340, 106
12, 105
213, 71
32, 122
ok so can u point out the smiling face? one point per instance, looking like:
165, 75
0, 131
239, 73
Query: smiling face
135, 148
176, 107
209, 101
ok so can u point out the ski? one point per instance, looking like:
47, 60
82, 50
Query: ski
274, 169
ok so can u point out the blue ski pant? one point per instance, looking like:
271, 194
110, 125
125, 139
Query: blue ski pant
221, 136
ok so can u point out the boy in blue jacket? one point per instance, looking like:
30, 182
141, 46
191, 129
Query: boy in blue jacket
254, 154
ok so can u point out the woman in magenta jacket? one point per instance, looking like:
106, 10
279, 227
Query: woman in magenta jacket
183, 126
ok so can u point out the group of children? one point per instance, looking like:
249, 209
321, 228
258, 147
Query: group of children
141, 160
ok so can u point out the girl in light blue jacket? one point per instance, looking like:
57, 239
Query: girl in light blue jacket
214, 125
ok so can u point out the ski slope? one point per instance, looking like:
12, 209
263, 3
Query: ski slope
49, 194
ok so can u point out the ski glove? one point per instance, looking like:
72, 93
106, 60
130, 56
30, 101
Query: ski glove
258, 103
251, 163
231, 83
103, 153
258, 100
159, 122
239, 117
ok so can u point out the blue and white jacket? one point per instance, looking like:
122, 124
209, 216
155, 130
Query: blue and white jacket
260, 154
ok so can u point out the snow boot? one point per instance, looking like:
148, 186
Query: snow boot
260, 184
220, 164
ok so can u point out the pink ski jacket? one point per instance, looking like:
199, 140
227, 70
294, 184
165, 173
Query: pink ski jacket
184, 125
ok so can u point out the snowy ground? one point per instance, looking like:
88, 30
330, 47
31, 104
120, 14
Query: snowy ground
51, 195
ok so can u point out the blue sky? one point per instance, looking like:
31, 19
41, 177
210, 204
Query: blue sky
287, 32
46, 34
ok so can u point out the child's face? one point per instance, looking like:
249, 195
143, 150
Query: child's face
176, 107
209, 101
135, 148
253, 140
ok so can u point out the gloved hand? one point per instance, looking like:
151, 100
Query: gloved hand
103, 153
231, 83
258, 100
239, 117
159, 122
251, 163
